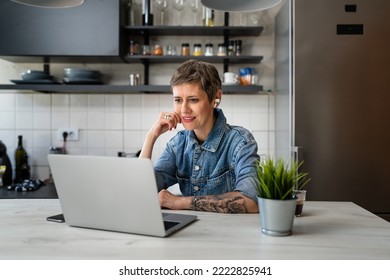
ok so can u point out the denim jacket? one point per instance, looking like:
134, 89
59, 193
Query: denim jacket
225, 162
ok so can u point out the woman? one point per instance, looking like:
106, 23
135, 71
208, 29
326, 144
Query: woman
213, 162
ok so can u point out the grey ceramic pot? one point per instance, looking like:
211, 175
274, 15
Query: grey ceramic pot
276, 216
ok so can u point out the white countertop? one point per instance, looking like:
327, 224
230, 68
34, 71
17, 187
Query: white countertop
327, 230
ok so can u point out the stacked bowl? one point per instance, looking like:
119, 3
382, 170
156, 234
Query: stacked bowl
82, 76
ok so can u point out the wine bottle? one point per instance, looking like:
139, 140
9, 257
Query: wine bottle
20, 156
25, 169
147, 15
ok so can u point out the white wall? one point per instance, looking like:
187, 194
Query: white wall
110, 122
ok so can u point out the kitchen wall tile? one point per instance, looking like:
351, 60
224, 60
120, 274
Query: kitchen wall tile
132, 120
7, 102
78, 102
96, 103
96, 120
42, 103
60, 103
113, 121
79, 120
114, 103
41, 138
133, 141
113, 139
7, 120
133, 103
24, 102
59, 119
96, 152
24, 120
96, 139
42, 120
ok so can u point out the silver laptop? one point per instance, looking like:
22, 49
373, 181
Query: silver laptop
112, 193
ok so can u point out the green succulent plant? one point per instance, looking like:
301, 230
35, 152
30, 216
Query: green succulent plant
278, 179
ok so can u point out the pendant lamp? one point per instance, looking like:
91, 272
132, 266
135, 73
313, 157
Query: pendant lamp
240, 5
50, 3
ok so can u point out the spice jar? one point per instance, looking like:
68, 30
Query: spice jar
133, 47
238, 44
157, 50
221, 50
231, 49
209, 50
185, 49
197, 50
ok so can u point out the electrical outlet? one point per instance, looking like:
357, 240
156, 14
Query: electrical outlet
73, 134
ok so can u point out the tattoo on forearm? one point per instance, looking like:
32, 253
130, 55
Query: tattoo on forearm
219, 204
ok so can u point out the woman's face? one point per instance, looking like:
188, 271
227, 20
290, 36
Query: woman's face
194, 108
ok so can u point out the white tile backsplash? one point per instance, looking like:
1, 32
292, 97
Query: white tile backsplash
111, 122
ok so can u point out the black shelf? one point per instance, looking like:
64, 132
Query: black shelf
55, 88
152, 59
193, 30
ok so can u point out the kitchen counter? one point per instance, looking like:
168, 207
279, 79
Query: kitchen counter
45, 191
327, 230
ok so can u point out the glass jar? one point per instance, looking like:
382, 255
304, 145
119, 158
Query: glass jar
197, 50
133, 47
158, 50
209, 50
221, 50
185, 49
238, 44
231, 49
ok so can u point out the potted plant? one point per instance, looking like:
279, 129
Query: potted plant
276, 200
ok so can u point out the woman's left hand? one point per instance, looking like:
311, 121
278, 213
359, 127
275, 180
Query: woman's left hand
174, 202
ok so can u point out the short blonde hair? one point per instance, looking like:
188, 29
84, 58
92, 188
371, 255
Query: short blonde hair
198, 72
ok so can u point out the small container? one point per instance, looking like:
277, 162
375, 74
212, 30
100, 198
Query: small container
209, 50
231, 49
158, 50
221, 50
134, 79
133, 47
197, 50
238, 49
145, 50
185, 49
171, 50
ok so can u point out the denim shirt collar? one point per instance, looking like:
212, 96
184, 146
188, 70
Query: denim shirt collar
215, 136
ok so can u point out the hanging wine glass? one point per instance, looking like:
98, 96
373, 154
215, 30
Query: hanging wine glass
179, 6
194, 4
161, 6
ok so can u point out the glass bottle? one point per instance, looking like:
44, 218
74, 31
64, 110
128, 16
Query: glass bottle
147, 15
130, 13
208, 17
25, 169
20, 156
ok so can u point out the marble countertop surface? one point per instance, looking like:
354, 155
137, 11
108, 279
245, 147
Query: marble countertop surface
327, 230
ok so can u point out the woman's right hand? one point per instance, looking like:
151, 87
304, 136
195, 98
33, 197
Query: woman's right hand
165, 122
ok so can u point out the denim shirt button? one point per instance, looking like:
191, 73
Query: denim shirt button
197, 167
196, 188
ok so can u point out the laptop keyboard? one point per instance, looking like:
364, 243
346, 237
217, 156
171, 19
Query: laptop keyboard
169, 224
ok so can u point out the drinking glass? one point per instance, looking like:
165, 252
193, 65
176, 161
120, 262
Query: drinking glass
194, 4
161, 6
179, 6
